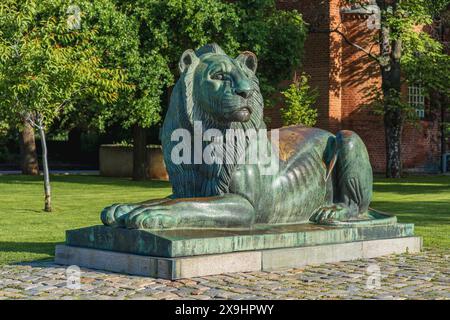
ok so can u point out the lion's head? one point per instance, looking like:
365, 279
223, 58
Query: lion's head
220, 93
221, 89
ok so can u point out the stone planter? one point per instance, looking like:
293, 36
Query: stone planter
117, 161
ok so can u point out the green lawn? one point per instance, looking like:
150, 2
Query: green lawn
27, 233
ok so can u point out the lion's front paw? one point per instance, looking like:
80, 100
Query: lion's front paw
155, 217
329, 214
114, 215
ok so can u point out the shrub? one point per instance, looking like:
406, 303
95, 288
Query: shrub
299, 100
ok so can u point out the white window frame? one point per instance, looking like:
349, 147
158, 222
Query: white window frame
416, 99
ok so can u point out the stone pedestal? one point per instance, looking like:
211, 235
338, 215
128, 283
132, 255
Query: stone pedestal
175, 254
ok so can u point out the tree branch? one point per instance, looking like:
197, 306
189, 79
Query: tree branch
338, 31
62, 104
31, 121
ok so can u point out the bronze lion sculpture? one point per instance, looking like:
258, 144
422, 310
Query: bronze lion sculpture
318, 177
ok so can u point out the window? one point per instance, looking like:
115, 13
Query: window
416, 99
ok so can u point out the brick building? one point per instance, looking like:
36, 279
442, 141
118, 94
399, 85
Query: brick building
343, 74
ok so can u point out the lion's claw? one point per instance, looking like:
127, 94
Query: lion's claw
114, 215
326, 215
150, 218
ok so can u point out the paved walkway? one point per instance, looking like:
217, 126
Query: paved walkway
419, 276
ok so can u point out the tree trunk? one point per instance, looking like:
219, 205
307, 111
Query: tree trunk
139, 153
47, 188
391, 51
28, 156
393, 132
393, 118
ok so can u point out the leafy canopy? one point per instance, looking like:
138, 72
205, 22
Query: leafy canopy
48, 61
168, 27
119, 64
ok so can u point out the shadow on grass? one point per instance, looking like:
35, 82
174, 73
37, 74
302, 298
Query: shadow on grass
83, 179
29, 247
413, 185
422, 213
408, 189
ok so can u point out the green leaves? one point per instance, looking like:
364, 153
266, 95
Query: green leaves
118, 63
46, 65
276, 37
299, 101
422, 58
167, 28
424, 61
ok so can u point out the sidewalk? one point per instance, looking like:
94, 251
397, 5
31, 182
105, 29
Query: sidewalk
409, 276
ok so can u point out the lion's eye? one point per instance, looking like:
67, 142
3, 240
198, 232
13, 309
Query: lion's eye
220, 76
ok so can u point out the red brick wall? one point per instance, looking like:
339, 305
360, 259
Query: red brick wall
421, 147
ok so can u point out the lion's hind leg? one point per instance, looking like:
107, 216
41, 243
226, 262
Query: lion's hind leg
353, 173
352, 180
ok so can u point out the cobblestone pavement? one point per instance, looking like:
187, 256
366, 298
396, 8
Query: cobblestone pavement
408, 276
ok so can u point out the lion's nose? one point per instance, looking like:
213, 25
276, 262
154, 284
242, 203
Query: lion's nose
243, 89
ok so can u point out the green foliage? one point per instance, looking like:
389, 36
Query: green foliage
164, 30
277, 37
299, 101
120, 64
47, 63
169, 27
4, 127
422, 58
117, 41
424, 61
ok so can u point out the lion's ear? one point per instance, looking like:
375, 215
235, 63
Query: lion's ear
187, 58
249, 59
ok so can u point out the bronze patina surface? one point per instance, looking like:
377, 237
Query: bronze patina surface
172, 243
321, 178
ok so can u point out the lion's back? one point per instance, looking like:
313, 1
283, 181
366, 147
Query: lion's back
293, 140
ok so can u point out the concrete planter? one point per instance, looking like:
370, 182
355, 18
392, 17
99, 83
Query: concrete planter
117, 161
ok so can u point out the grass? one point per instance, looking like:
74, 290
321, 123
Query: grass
27, 233
422, 200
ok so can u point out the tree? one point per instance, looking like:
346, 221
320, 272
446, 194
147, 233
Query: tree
48, 61
299, 101
277, 37
168, 27
118, 37
407, 53
440, 100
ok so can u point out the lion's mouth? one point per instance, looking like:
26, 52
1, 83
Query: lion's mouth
239, 115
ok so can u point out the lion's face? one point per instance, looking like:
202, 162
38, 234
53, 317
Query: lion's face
224, 88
